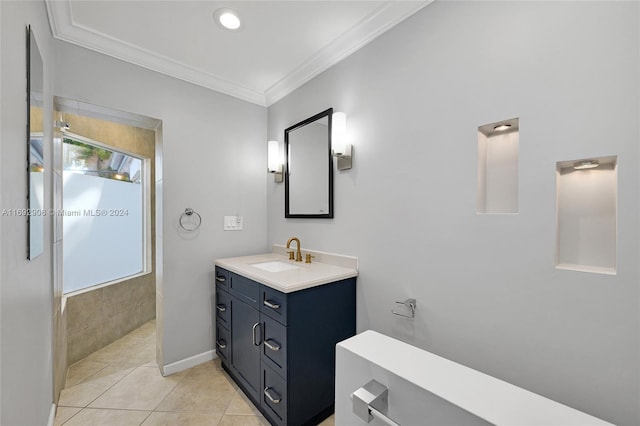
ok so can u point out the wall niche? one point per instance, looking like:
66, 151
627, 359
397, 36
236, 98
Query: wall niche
586, 219
498, 167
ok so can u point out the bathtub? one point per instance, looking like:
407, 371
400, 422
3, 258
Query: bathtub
426, 389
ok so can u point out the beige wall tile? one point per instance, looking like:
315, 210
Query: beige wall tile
119, 324
118, 135
84, 311
60, 356
120, 297
83, 126
83, 343
145, 142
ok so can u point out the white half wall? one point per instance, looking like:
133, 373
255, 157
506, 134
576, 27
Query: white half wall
488, 293
213, 160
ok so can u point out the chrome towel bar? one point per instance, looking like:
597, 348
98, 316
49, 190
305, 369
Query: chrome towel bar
371, 401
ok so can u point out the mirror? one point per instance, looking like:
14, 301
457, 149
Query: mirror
308, 179
35, 149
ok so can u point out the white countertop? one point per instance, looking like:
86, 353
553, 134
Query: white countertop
492, 399
306, 275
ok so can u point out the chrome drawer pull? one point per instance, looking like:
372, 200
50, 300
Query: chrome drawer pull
255, 340
221, 308
275, 347
221, 279
221, 344
271, 304
272, 399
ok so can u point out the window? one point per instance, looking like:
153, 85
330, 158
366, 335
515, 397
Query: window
104, 214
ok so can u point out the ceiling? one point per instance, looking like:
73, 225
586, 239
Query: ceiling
280, 46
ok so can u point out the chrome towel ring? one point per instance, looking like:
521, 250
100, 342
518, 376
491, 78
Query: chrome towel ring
190, 220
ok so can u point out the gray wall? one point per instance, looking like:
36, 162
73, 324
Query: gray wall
26, 287
214, 157
488, 294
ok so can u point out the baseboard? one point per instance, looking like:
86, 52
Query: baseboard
186, 363
52, 415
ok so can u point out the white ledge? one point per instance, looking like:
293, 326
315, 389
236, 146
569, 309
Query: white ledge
489, 398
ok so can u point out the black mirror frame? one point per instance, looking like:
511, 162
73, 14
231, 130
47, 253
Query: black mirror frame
287, 214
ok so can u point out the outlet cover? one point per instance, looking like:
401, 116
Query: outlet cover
233, 223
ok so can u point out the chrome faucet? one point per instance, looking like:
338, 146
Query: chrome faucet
298, 252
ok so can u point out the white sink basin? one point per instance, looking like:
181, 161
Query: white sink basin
275, 266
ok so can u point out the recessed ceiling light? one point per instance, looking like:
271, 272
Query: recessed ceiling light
227, 18
585, 164
502, 127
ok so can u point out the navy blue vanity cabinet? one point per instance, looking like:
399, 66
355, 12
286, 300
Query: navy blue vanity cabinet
281, 347
222, 315
246, 344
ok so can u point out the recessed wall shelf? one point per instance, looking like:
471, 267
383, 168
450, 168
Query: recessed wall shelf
586, 215
498, 167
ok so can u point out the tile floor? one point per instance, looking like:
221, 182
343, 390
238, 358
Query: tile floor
122, 385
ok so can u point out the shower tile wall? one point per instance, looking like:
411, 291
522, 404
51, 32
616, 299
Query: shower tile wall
98, 317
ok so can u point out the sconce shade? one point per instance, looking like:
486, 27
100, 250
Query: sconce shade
339, 133
273, 157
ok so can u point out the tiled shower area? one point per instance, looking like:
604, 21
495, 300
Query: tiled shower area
99, 315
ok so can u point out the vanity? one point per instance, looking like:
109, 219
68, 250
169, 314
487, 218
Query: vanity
277, 324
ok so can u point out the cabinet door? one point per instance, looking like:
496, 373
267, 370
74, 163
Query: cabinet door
274, 346
274, 304
274, 396
223, 348
246, 336
223, 309
222, 278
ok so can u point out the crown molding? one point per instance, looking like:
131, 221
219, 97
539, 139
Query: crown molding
390, 14
64, 28
367, 30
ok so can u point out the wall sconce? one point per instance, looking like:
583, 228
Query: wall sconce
274, 164
341, 149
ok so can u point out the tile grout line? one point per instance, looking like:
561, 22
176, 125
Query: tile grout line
145, 419
74, 414
171, 391
106, 390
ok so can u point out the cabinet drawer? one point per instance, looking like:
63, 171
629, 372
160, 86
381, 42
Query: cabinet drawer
274, 395
223, 309
274, 345
245, 289
274, 304
223, 343
222, 279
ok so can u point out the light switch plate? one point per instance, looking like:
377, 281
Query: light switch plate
233, 223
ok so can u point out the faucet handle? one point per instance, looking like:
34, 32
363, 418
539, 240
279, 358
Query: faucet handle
291, 255
308, 258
